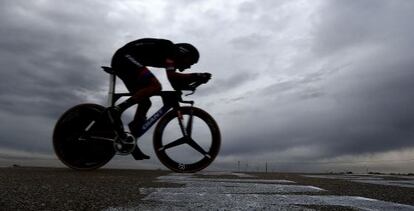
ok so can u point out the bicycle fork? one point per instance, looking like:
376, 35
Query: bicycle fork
185, 130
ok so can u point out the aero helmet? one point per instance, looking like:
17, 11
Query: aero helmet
189, 51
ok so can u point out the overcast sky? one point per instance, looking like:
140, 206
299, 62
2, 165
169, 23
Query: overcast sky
304, 85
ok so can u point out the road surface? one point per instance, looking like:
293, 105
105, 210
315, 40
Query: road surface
115, 190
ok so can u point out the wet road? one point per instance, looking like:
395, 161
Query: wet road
110, 189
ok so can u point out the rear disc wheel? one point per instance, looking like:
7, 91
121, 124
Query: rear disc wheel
83, 153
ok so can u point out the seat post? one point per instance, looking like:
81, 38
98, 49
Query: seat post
111, 92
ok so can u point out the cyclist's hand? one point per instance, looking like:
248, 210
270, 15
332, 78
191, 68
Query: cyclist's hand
203, 77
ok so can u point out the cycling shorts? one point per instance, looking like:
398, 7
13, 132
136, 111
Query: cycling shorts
134, 75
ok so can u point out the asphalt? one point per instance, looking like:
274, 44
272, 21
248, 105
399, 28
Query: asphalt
66, 189
343, 187
23, 188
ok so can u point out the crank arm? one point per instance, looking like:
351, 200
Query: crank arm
96, 138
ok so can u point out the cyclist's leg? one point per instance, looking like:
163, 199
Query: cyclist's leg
140, 116
129, 73
141, 96
138, 80
142, 109
144, 86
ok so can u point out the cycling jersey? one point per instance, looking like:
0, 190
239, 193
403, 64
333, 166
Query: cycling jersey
146, 52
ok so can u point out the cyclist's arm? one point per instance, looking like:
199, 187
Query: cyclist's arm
175, 77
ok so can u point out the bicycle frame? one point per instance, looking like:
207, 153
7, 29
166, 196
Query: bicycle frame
170, 99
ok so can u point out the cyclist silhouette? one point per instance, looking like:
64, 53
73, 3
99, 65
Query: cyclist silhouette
130, 64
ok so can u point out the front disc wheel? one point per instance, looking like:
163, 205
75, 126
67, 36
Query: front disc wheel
187, 140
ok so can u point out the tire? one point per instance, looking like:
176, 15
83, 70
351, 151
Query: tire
183, 157
82, 154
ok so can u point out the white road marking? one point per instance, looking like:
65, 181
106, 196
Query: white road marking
346, 177
371, 179
191, 201
182, 180
243, 175
232, 188
246, 194
223, 173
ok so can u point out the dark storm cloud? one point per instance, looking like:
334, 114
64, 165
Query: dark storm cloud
345, 24
374, 95
26, 133
378, 109
227, 84
360, 102
291, 79
252, 42
49, 62
46, 56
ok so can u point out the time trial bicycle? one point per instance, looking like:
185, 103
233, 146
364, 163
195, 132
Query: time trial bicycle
186, 138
